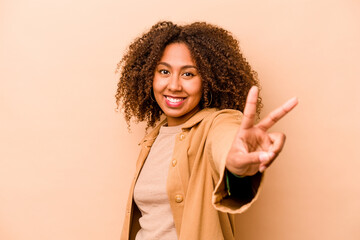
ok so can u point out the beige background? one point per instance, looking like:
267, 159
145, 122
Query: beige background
66, 158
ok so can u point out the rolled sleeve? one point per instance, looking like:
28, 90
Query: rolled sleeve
244, 191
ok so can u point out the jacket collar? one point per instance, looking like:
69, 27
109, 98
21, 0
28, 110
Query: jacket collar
198, 117
192, 121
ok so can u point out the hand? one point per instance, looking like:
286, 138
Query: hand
253, 148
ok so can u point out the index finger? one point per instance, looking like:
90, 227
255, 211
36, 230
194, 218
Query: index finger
277, 114
250, 108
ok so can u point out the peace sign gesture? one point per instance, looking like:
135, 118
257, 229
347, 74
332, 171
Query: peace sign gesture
253, 148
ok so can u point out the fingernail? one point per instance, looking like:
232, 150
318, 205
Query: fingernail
271, 155
291, 103
262, 169
264, 156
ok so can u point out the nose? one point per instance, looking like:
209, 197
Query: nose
174, 83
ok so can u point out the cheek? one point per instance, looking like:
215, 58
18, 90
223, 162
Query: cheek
157, 85
196, 89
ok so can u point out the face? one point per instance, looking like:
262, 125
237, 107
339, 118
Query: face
177, 84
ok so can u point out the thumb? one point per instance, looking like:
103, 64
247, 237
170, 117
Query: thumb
241, 160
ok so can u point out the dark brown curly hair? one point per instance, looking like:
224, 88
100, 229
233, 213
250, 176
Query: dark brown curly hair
226, 75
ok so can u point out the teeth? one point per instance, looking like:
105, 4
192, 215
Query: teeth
174, 100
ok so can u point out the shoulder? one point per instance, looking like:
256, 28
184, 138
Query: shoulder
224, 116
222, 125
218, 122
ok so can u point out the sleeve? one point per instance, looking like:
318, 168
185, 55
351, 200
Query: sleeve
242, 188
231, 194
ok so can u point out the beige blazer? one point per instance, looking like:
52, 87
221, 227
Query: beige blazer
196, 184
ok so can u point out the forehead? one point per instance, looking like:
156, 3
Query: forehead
177, 54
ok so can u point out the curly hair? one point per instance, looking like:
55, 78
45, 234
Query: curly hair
226, 75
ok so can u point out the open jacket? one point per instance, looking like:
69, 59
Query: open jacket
199, 193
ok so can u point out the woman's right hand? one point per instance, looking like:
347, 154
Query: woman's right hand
254, 148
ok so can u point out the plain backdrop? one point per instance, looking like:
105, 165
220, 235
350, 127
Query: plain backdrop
67, 158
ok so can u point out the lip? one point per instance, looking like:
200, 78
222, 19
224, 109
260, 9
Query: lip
179, 101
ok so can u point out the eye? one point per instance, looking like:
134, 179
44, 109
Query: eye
188, 74
164, 71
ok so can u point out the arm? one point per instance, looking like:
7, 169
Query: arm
231, 194
252, 150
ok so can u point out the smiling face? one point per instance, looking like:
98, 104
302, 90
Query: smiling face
177, 84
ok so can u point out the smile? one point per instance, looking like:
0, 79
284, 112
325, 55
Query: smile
174, 101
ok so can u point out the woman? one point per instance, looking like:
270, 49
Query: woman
204, 161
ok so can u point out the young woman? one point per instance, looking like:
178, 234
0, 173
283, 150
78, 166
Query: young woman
204, 162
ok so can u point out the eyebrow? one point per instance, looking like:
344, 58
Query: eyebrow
183, 67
